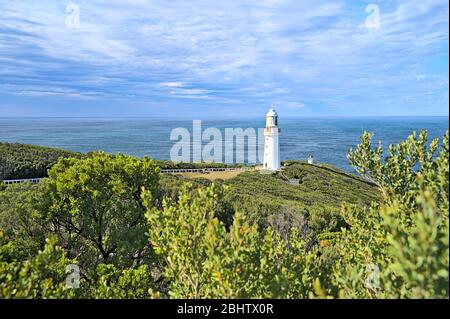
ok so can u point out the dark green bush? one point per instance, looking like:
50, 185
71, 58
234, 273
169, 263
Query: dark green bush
18, 161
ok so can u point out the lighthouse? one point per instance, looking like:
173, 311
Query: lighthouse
272, 145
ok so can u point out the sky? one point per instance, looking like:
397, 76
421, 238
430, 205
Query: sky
160, 58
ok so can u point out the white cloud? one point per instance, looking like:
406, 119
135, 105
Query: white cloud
280, 91
293, 105
226, 50
189, 92
173, 84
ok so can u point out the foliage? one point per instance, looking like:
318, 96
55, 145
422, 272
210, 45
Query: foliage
396, 175
108, 282
94, 206
42, 276
170, 185
203, 260
330, 234
29, 161
398, 249
163, 164
20, 219
420, 253
316, 198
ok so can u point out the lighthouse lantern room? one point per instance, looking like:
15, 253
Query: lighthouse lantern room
272, 160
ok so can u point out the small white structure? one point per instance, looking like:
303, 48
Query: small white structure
311, 160
272, 160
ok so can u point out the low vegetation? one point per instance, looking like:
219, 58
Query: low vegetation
306, 232
299, 189
212, 176
163, 164
19, 161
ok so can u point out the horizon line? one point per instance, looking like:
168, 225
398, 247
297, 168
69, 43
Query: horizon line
220, 117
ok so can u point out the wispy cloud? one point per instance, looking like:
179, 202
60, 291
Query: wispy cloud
293, 105
173, 84
314, 55
280, 91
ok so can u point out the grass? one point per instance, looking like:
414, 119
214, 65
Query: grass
212, 176
299, 189
319, 190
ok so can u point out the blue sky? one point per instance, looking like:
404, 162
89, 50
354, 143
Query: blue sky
223, 58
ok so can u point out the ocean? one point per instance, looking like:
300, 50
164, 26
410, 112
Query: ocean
327, 139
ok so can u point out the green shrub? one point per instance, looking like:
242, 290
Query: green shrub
398, 249
201, 259
95, 207
19, 161
42, 276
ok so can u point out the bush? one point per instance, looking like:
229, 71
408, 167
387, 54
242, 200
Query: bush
21, 220
257, 236
398, 249
42, 276
19, 161
95, 207
201, 259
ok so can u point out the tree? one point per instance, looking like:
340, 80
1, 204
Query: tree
95, 207
419, 250
21, 220
108, 282
29, 161
104, 209
400, 248
397, 173
6, 166
42, 276
202, 259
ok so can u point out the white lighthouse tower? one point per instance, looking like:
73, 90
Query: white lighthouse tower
272, 145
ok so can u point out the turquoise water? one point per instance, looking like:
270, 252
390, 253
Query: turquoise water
327, 139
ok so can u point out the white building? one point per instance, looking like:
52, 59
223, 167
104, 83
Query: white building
272, 160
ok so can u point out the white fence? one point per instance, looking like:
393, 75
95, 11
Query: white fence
208, 170
25, 180
163, 171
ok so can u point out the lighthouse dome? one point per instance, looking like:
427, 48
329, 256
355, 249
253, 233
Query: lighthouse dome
272, 113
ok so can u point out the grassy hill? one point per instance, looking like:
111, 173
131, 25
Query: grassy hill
108, 214
300, 187
31, 161
28, 161
309, 196
300, 194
